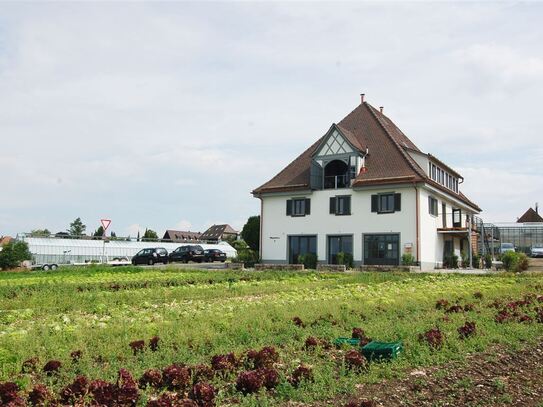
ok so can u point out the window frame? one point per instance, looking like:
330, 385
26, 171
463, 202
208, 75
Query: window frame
433, 204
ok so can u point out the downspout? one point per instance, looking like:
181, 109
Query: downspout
417, 222
261, 223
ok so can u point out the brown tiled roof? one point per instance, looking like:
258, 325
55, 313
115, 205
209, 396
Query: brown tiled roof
530, 216
5, 240
181, 236
217, 231
387, 161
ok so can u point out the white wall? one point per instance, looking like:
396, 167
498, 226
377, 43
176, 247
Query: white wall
277, 226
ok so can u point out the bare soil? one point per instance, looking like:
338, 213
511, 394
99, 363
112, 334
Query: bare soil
492, 378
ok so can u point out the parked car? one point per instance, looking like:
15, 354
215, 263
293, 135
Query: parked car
151, 256
188, 253
507, 247
537, 250
212, 255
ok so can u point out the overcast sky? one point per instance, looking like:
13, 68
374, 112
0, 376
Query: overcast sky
168, 115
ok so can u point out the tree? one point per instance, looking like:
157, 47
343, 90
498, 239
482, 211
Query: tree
13, 253
150, 235
251, 232
40, 233
77, 228
99, 232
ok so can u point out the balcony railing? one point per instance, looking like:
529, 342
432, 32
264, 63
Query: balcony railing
336, 181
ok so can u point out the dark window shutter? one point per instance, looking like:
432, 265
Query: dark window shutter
332, 204
430, 209
348, 205
289, 207
307, 206
397, 202
375, 203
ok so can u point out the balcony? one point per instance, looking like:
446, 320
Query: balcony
336, 181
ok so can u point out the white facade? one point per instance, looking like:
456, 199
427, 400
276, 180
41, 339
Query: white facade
277, 227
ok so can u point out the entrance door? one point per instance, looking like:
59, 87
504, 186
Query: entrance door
298, 245
338, 244
382, 249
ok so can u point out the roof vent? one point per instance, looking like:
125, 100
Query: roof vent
362, 97
381, 109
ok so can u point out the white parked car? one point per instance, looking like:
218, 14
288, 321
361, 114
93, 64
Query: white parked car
537, 250
507, 247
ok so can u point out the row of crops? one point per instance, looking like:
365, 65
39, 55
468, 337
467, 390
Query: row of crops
135, 337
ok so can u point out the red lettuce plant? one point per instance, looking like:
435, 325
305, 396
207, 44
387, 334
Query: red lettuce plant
454, 309
311, 343
249, 382
358, 333
176, 377
525, 319
137, 346
76, 355
75, 391
442, 304
270, 377
153, 343
103, 393
433, 337
39, 395
52, 367
300, 374
30, 365
203, 394
354, 360
361, 403
152, 378
298, 322
127, 389
478, 295
9, 395
224, 363
171, 400
201, 373
467, 330
266, 357
469, 307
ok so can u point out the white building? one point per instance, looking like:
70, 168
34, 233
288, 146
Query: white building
364, 188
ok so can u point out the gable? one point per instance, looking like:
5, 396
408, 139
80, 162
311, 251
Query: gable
334, 144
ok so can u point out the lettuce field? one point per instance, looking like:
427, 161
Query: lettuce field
133, 336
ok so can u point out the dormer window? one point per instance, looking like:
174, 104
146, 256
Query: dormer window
442, 177
336, 175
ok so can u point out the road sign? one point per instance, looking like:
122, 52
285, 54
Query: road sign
105, 224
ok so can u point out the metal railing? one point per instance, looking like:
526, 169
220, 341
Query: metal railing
336, 181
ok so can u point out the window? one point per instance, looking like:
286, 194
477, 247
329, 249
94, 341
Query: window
386, 203
300, 245
339, 244
340, 205
432, 206
298, 207
382, 249
457, 218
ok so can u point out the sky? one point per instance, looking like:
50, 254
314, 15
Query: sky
167, 115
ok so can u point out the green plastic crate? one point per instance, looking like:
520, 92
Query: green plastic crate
382, 350
347, 341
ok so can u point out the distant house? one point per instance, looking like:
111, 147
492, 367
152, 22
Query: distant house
182, 236
219, 232
531, 216
5, 240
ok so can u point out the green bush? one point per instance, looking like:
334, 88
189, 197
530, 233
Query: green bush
345, 258
247, 256
510, 261
309, 260
465, 259
13, 253
476, 261
522, 262
488, 261
451, 261
408, 259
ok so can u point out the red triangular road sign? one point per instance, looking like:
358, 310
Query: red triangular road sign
105, 223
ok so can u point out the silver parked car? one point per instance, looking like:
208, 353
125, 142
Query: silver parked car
537, 250
507, 247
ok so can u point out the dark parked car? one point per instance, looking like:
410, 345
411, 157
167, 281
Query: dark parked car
188, 253
151, 256
212, 255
